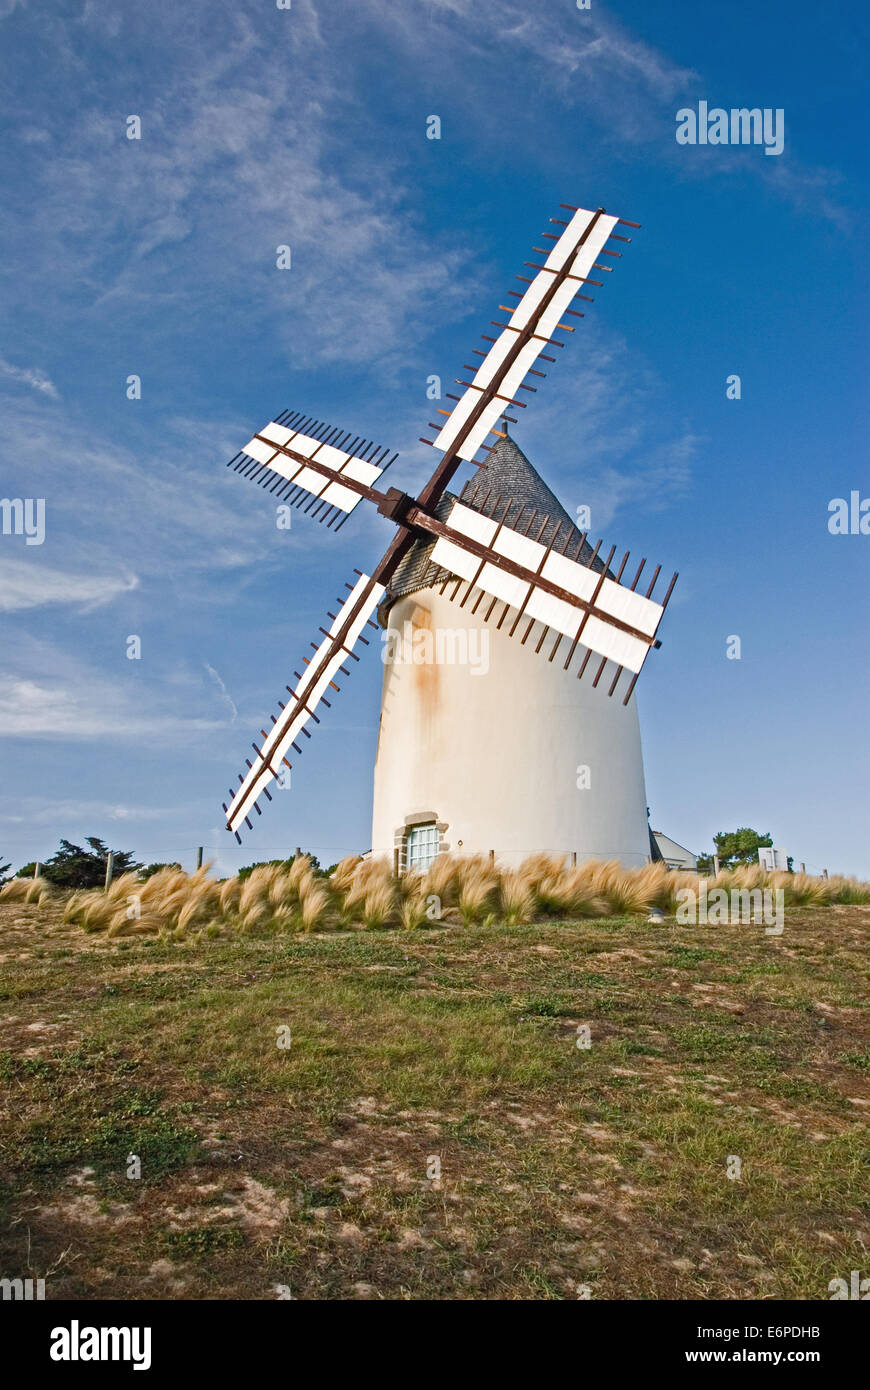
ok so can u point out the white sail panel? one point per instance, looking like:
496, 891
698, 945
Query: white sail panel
620, 647
338, 496
569, 239
520, 549
277, 434
554, 612
452, 557
567, 574
473, 524
361, 472
256, 449
629, 607
502, 585
311, 480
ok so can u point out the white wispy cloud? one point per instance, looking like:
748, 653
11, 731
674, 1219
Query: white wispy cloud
235, 160
32, 811
588, 61
123, 511
48, 692
93, 709
223, 690
29, 376
28, 584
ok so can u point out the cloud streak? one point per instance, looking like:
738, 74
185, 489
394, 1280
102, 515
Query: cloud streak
92, 708
29, 376
27, 584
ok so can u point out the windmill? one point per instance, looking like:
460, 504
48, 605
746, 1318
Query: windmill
532, 575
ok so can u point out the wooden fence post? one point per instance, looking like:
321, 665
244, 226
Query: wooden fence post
110, 868
199, 857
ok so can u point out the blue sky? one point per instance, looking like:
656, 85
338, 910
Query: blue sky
307, 127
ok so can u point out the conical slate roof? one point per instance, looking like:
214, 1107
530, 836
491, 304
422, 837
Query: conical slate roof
505, 477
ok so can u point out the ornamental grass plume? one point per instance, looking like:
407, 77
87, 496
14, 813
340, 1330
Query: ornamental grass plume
344, 872
441, 879
314, 906
379, 904
517, 898
15, 890
575, 893
622, 889
478, 884
414, 911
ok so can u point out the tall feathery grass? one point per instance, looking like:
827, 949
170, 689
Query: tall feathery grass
364, 894
517, 897
34, 891
478, 882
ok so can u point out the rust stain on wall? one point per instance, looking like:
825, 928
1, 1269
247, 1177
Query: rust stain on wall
427, 677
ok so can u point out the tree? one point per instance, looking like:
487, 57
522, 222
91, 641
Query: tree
3, 868
74, 867
740, 846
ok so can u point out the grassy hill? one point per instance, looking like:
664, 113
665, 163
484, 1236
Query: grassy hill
305, 1169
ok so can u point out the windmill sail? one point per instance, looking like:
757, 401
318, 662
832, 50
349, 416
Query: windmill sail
574, 599
529, 329
303, 460
338, 643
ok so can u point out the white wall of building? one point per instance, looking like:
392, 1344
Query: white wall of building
494, 754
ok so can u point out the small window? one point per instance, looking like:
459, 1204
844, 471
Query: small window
421, 846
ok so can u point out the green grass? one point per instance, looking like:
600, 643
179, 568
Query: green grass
560, 1166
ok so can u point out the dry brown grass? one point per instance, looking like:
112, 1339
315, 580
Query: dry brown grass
517, 897
379, 905
365, 893
442, 878
146, 924
343, 874
369, 876
626, 891
414, 911
314, 906
228, 897
478, 885
14, 890
36, 891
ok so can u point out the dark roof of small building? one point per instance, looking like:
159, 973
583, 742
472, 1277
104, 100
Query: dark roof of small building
505, 480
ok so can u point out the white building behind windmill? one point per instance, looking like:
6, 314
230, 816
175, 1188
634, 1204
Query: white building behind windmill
494, 747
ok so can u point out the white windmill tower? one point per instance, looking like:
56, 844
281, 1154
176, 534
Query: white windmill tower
485, 743
493, 740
